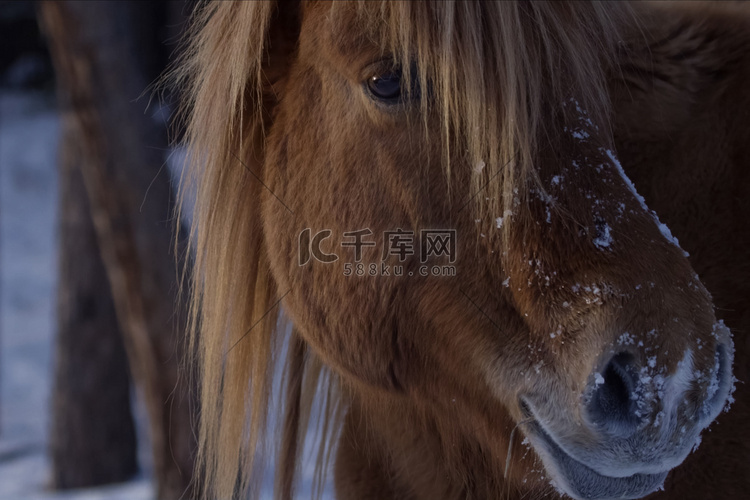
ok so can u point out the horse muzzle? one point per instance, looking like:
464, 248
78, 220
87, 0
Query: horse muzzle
633, 426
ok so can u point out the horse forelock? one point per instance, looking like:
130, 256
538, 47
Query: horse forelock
499, 76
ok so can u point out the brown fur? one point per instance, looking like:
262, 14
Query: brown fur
431, 369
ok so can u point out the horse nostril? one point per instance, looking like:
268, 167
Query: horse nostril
611, 407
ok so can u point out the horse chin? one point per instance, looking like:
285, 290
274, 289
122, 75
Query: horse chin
579, 481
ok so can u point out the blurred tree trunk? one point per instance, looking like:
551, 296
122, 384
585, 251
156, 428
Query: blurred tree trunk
92, 438
97, 50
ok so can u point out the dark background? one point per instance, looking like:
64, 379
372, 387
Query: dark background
77, 402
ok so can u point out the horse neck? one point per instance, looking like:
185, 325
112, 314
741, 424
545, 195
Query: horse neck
392, 448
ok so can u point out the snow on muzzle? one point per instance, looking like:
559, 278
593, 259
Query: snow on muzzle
638, 423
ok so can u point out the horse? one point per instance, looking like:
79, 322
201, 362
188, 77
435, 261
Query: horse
510, 239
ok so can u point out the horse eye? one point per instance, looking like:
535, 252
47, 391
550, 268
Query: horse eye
386, 87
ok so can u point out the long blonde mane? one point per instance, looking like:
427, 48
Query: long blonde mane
494, 70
